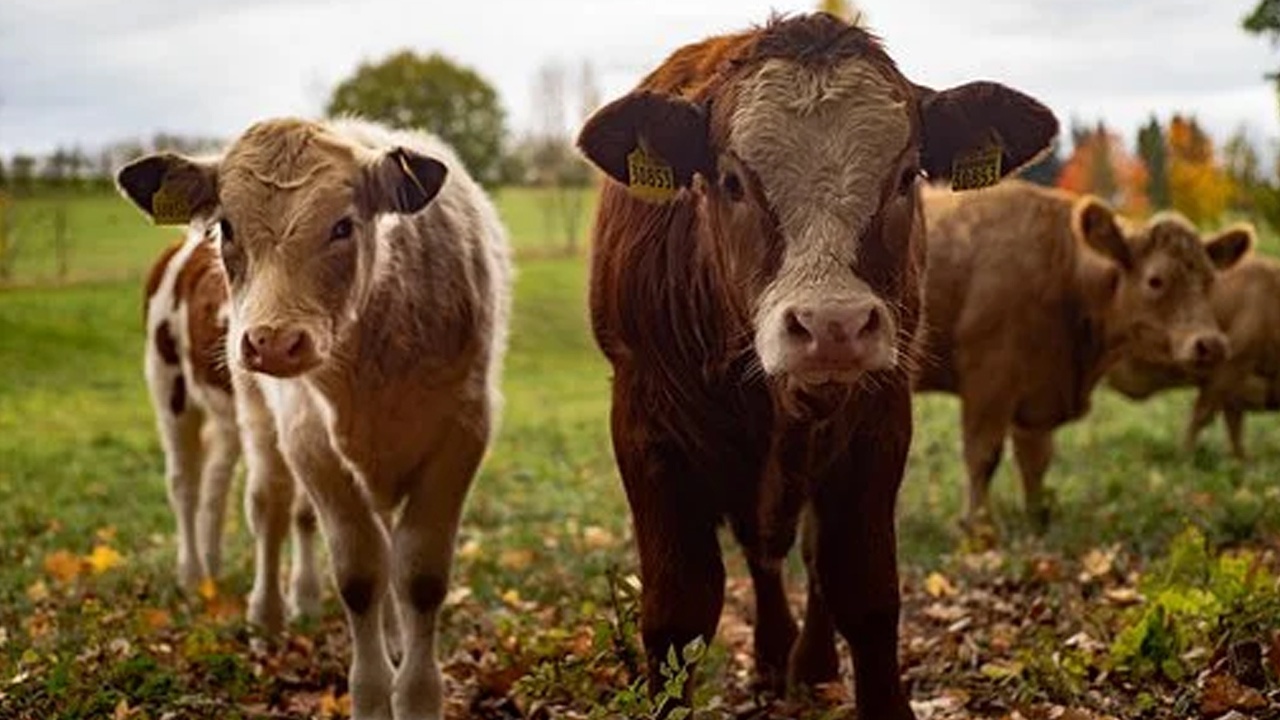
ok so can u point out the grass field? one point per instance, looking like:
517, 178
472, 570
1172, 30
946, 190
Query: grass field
90, 622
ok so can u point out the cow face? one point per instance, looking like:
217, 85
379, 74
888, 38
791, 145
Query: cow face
1163, 278
295, 210
804, 169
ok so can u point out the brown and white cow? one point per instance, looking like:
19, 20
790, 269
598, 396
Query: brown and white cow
1033, 294
760, 321
369, 282
1246, 304
185, 315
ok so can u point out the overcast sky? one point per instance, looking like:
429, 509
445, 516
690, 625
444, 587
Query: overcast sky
95, 71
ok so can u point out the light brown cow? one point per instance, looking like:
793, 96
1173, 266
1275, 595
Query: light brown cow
1246, 304
1033, 294
369, 284
185, 315
756, 289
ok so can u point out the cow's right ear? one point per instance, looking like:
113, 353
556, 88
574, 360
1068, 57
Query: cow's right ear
670, 131
171, 189
1095, 222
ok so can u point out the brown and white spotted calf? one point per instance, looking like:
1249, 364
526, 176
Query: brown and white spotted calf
370, 286
185, 314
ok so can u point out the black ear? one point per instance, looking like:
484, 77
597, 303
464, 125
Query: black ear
968, 119
1095, 223
670, 128
170, 188
404, 181
1227, 247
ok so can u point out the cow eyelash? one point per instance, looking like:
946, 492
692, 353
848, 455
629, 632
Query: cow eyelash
342, 230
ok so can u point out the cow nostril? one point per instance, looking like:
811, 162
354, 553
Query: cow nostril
1208, 349
298, 347
795, 328
872, 324
248, 348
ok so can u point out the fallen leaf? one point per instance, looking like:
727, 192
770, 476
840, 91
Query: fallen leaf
208, 589
122, 711
1097, 563
38, 591
597, 538
1122, 596
106, 534
62, 565
516, 559
332, 706
937, 585
1222, 693
470, 550
156, 619
512, 598
103, 558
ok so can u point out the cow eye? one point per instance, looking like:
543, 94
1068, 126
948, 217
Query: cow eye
1155, 282
908, 180
224, 229
732, 186
341, 230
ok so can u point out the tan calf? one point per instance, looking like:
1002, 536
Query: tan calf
1246, 303
1033, 294
369, 299
190, 386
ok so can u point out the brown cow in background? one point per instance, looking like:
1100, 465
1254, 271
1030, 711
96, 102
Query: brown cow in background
1033, 294
759, 307
1246, 303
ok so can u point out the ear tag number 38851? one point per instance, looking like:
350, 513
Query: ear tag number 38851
648, 178
976, 170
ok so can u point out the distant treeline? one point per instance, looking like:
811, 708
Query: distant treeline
74, 168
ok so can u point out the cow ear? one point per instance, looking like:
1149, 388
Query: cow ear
671, 133
1227, 247
404, 181
1094, 222
171, 189
966, 121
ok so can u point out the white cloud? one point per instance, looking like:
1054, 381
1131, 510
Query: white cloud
93, 71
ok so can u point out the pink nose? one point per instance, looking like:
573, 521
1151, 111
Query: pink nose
283, 352
1209, 349
836, 337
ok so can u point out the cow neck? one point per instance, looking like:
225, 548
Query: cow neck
1099, 338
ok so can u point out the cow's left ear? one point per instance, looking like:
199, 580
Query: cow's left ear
1227, 247
171, 189
404, 181
670, 133
964, 121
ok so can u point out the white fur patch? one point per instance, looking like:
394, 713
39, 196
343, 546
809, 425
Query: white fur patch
822, 141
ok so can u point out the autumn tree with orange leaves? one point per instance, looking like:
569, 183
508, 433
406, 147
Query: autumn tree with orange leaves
1100, 165
1198, 187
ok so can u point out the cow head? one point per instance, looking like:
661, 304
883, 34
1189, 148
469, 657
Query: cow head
295, 208
1160, 282
803, 156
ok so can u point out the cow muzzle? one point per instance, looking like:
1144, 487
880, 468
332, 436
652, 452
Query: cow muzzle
835, 342
280, 351
1204, 350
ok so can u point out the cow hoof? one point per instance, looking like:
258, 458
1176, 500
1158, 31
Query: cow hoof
812, 664
980, 534
267, 615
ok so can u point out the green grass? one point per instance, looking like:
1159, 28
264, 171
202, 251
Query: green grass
80, 465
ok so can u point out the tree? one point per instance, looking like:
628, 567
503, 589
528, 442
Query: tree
4, 176
1241, 163
22, 170
1265, 20
1151, 149
1198, 188
552, 162
1099, 165
406, 90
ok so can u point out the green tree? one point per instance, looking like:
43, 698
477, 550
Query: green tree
1264, 20
4, 176
1240, 161
22, 171
1046, 170
1103, 180
1155, 155
432, 93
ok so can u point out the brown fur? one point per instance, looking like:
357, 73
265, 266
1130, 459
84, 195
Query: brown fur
156, 274
700, 432
1025, 318
1246, 304
202, 286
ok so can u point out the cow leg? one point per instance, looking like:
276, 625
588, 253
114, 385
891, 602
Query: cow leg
304, 578
423, 544
268, 493
1234, 416
359, 552
1202, 413
180, 437
1033, 450
857, 561
984, 424
775, 628
223, 450
814, 659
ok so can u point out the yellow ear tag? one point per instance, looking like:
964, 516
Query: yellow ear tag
648, 178
978, 169
169, 208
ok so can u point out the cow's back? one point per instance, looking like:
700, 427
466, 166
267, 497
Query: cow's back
1000, 272
1246, 301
